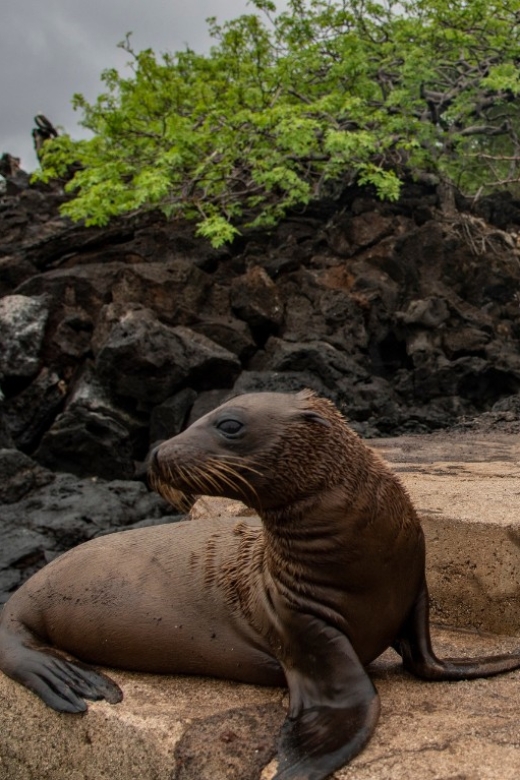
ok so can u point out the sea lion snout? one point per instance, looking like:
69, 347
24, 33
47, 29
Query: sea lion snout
152, 460
205, 459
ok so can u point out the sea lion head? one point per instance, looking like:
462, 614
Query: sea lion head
265, 449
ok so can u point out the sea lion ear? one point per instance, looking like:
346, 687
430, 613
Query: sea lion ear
315, 417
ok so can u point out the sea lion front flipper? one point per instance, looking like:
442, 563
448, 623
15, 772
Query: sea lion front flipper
334, 706
60, 683
63, 685
415, 647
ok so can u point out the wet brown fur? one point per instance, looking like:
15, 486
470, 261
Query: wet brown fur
320, 492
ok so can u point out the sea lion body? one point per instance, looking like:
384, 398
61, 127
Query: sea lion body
155, 609
332, 576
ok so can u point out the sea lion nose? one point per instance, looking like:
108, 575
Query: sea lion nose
153, 457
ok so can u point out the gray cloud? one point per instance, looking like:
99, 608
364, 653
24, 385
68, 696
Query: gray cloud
50, 49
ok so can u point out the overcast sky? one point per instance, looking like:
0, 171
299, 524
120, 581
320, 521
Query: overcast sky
50, 49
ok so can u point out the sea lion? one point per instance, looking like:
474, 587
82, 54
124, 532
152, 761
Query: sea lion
332, 577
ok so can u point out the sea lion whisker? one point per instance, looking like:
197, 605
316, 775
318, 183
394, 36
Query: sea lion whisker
173, 495
170, 474
225, 478
232, 460
209, 481
216, 464
225, 468
203, 480
185, 475
221, 475
179, 499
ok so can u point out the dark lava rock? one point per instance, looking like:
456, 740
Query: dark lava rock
147, 361
93, 436
169, 418
231, 333
279, 382
22, 327
14, 270
19, 474
175, 290
29, 414
329, 364
87, 443
254, 299
67, 511
206, 402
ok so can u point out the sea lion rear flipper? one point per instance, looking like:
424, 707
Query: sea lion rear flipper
334, 706
415, 647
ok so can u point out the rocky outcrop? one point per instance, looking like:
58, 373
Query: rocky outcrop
43, 514
112, 338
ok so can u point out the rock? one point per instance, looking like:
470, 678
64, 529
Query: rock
22, 327
102, 438
147, 361
430, 313
510, 403
19, 474
206, 402
21, 548
14, 270
87, 443
500, 209
85, 287
465, 341
474, 379
73, 335
175, 290
279, 382
348, 233
6, 440
86, 507
88, 392
254, 299
244, 741
372, 399
209, 365
65, 512
230, 333
29, 413
329, 364
169, 418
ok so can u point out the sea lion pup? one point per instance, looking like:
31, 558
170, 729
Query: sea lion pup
332, 577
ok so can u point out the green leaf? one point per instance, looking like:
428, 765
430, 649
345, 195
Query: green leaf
217, 230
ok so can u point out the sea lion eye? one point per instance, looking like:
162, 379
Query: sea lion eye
229, 427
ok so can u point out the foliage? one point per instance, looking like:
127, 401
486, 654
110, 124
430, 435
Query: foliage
285, 104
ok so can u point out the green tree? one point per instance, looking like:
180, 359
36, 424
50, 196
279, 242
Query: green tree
285, 105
